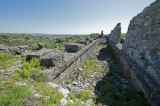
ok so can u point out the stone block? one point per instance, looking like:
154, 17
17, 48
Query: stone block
73, 47
41, 45
24, 47
52, 59
84, 42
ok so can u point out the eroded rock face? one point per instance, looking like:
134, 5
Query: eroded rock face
143, 40
115, 34
3, 49
73, 47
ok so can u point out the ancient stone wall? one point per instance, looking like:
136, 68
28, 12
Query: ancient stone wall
72, 61
143, 40
139, 56
116, 33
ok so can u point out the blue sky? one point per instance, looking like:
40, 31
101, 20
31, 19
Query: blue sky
67, 16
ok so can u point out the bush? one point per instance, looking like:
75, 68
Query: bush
72, 97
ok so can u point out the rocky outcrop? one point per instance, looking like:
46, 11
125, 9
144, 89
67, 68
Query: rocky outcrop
73, 47
115, 34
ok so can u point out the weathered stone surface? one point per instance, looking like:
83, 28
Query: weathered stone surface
84, 42
115, 34
142, 40
73, 47
3, 49
122, 40
52, 59
140, 54
41, 45
18, 50
48, 57
24, 47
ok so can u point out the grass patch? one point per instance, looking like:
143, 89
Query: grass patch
116, 95
13, 95
84, 95
54, 95
72, 97
7, 60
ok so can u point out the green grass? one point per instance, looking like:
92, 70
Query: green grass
28, 69
84, 95
7, 60
52, 42
13, 95
116, 95
72, 97
123, 35
54, 95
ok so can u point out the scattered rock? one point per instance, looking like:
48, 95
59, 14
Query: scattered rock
63, 91
52, 85
63, 101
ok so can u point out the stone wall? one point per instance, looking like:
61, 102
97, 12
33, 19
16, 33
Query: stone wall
72, 61
139, 56
142, 40
116, 33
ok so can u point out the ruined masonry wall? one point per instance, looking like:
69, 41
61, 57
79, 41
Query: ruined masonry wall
72, 61
115, 34
143, 40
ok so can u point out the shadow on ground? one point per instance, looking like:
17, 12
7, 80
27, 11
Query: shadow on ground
113, 89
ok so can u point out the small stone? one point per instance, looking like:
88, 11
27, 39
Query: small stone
63, 101
21, 84
63, 91
52, 85
37, 96
80, 69
47, 97
75, 83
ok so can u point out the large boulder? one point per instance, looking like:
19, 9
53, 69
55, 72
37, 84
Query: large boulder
41, 45
3, 49
73, 47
